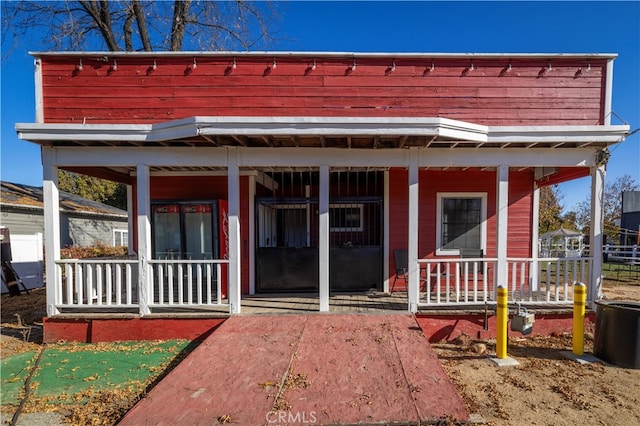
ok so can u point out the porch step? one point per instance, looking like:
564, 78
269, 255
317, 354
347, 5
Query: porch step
325, 369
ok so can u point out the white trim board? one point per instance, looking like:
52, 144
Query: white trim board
315, 157
318, 126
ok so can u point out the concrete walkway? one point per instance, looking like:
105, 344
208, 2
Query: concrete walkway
305, 369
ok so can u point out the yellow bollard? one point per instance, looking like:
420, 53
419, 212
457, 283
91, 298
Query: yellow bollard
501, 326
579, 306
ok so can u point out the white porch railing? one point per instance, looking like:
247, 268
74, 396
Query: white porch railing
97, 283
456, 281
101, 284
546, 280
188, 282
473, 281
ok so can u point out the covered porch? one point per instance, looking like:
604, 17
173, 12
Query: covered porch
410, 154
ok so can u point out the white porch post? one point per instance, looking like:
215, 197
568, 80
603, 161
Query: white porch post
535, 218
502, 222
51, 229
595, 238
130, 219
414, 272
144, 237
385, 234
252, 234
323, 239
233, 184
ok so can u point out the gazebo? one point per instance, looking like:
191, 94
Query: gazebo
561, 243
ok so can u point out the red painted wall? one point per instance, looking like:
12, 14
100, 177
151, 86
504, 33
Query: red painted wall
432, 182
89, 330
528, 94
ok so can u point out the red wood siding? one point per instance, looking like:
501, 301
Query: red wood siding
433, 182
528, 94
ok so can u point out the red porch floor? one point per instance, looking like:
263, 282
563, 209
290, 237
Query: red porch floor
313, 369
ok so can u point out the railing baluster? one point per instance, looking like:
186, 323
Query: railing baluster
79, 284
189, 283
68, 269
170, 282
109, 283
523, 280
98, 286
466, 281
128, 277
485, 281
208, 274
547, 287
90, 291
118, 284
218, 283
438, 282
199, 282
180, 285
160, 279
458, 274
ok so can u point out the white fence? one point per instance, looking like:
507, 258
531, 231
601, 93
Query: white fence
27, 259
624, 254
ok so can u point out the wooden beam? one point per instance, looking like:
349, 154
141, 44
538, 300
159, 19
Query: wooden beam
403, 140
211, 140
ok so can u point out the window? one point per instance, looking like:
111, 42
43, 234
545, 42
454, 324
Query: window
345, 217
461, 222
120, 237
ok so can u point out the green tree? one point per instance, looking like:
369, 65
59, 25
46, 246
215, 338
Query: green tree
612, 208
550, 214
92, 188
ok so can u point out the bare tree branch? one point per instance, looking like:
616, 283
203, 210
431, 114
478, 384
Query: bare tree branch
102, 17
162, 25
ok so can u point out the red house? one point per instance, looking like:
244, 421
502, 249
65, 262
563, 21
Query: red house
265, 172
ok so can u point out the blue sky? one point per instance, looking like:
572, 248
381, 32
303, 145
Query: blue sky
481, 27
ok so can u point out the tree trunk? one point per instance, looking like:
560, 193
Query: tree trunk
180, 11
142, 25
127, 31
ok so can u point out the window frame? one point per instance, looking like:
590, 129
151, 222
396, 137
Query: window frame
359, 206
124, 237
483, 220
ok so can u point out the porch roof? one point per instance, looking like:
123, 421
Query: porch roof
322, 132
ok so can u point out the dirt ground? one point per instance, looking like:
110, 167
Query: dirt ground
544, 389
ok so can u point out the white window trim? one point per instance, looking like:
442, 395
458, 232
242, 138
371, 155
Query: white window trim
483, 220
123, 239
359, 206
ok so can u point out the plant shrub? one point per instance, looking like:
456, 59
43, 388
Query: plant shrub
98, 250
